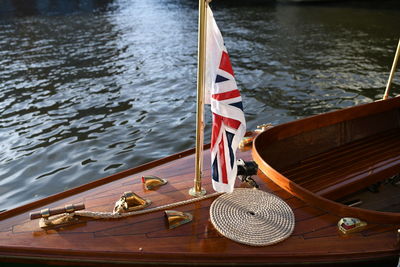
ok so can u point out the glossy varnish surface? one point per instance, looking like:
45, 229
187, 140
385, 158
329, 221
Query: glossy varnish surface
325, 157
147, 239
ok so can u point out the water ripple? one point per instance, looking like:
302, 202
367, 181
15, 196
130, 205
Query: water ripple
96, 90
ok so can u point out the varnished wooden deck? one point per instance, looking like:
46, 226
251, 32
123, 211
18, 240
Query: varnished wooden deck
146, 239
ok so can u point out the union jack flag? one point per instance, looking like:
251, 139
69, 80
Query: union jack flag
229, 125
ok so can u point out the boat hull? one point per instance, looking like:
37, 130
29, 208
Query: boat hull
146, 239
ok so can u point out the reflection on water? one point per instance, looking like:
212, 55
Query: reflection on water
89, 88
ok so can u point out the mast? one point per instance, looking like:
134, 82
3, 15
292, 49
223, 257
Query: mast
389, 83
197, 190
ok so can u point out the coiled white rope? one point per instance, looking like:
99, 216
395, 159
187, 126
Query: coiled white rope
252, 217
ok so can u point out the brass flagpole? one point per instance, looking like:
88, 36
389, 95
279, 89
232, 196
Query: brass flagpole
197, 190
389, 83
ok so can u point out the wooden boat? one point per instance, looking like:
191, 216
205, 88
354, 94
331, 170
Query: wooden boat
146, 239
308, 163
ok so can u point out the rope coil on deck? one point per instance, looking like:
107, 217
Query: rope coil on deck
252, 217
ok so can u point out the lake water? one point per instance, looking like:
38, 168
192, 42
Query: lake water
90, 88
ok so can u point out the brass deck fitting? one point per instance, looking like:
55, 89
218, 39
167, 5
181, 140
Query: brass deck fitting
152, 182
129, 201
177, 218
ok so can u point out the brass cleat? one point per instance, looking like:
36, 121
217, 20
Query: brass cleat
246, 141
129, 201
350, 225
56, 217
46, 213
261, 128
152, 182
177, 218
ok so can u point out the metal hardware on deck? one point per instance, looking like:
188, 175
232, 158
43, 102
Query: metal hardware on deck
57, 216
69, 208
129, 201
353, 203
46, 213
58, 220
246, 169
261, 128
196, 193
246, 141
250, 181
151, 182
349, 225
177, 218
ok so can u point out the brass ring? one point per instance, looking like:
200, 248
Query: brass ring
69, 208
45, 213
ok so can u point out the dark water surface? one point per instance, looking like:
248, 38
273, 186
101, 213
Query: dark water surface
89, 88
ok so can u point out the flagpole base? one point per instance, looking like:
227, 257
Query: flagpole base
195, 193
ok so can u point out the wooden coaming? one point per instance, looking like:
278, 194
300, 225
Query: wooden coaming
146, 239
325, 157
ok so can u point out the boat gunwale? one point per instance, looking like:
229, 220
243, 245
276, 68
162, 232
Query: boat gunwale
318, 121
292, 128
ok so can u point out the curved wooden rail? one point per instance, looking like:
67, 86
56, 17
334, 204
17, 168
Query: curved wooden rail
279, 147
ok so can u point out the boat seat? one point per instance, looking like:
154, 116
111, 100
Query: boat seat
350, 167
